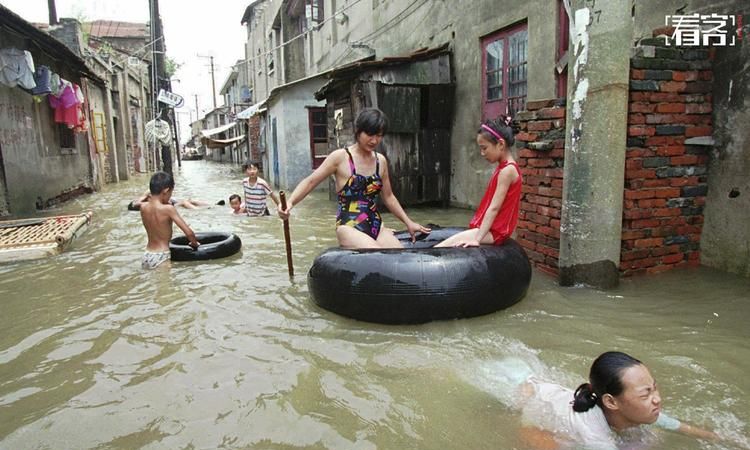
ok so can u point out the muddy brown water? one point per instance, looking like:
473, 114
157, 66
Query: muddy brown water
96, 353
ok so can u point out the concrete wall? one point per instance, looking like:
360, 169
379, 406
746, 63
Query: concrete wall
399, 27
37, 170
293, 134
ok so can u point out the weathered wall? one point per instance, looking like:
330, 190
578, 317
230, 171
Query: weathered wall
290, 109
399, 27
37, 170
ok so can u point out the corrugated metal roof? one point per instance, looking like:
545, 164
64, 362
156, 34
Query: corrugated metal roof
351, 70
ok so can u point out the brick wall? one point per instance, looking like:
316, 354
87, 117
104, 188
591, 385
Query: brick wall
541, 143
665, 173
666, 166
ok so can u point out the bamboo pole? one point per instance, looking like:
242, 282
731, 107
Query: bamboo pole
287, 239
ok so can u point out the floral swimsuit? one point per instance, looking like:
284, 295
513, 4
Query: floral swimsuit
358, 198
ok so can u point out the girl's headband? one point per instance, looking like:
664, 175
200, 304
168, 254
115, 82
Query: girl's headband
493, 132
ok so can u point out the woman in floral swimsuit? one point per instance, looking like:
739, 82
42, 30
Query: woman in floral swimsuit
358, 222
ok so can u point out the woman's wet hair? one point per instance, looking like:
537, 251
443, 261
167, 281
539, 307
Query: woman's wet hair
159, 182
503, 126
371, 121
605, 377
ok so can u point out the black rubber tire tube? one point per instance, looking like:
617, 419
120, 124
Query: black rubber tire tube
214, 245
420, 284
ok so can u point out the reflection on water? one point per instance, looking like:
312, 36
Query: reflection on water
97, 353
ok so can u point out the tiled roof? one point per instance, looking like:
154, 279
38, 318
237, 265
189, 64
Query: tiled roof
113, 28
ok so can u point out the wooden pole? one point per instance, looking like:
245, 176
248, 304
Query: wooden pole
287, 239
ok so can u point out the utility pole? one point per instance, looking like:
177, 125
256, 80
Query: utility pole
213, 81
52, 12
197, 111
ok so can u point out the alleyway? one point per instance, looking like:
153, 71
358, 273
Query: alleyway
230, 353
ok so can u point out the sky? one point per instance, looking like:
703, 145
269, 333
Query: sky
191, 28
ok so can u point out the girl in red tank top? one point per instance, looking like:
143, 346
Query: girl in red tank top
497, 214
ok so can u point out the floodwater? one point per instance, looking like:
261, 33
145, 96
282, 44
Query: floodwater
96, 353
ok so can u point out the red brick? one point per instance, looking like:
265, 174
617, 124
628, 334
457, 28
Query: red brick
693, 256
526, 243
670, 107
639, 96
551, 113
539, 104
675, 150
706, 75
698, 131
557, 183
548, 212
648, 242
634, 254
639, 194
527, 137
633, 214
550, 192
684, 160
540, 125
548, 251
672, 86
646, 223
666, 193
661, 251
652, 203
640, 130
555, 223
666, 212
658, 97
655, 183
527, 153
674, 258
643, 173
633, 234
640, 107
637, 74
665, 140
636, 119
633, 163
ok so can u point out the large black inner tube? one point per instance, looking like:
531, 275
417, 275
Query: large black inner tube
214, 245
420, 283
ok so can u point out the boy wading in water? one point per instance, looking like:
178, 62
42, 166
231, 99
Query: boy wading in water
157, 215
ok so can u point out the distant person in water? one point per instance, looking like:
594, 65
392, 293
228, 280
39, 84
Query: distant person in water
236, 206
190, 203
606, 413
362, 176
158, 215
256, 190
497, 214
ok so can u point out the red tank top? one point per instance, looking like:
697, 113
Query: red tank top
507, 218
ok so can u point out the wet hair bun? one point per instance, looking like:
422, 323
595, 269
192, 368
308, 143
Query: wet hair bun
584, 398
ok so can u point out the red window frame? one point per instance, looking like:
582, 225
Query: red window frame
313, 125
512, 70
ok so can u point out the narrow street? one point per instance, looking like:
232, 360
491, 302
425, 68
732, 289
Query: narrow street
231, 353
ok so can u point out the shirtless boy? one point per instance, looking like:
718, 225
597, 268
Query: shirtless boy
157, 215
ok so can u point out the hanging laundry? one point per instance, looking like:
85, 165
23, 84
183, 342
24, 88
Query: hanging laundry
16, 68
42, 79
54, 84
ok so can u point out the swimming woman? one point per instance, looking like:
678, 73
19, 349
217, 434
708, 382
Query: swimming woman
361, 175
608, 412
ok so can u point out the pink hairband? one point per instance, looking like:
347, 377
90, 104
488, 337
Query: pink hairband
493, 132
